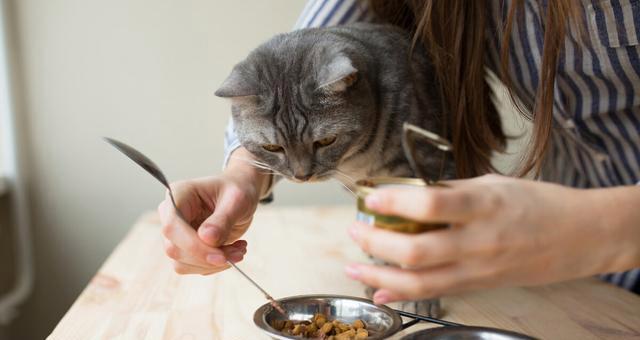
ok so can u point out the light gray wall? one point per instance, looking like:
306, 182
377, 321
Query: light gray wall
141, 71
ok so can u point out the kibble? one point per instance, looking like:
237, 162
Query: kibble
319, 327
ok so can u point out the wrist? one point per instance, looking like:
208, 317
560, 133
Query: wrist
617, 217
240, 169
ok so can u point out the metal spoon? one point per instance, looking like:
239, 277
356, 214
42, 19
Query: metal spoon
151, 167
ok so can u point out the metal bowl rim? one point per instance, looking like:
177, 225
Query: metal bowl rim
259, 320
473, 329
364, 188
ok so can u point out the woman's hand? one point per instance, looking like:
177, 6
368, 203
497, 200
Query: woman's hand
504, 232
218, 211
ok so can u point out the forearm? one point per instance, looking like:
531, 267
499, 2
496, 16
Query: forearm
617, 212
239, 167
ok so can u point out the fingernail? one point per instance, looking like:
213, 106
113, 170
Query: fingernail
236, 257
380, 298
352, 271
239, 246
353, 232
216, 259
372, 201
236, 252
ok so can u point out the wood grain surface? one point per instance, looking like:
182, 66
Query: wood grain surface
293, 251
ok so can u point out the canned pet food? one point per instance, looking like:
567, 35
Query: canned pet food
429, 307
395, 223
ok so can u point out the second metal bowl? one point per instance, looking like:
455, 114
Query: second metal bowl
466, 333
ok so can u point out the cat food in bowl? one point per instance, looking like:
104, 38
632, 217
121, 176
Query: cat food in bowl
348, 316
322, 327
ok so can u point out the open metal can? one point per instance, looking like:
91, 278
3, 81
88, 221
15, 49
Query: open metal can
429, 307
394, 223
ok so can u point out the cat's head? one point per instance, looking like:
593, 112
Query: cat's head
300, 104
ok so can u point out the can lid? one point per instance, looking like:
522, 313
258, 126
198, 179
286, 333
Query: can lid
366, 186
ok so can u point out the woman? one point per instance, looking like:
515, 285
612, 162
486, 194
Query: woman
574, 67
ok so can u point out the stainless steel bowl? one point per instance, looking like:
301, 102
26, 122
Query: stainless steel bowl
466, 333
382, 322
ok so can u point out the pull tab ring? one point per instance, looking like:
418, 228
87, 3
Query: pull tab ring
409, 134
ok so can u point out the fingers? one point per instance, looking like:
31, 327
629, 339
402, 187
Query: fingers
233, 207
401, 284
183, 193
185, 238
189, 252
234, 252
455, 204
216, 212
413, 250
185, 269
497, 238
215, 229
397, 284
384, 296
185, 264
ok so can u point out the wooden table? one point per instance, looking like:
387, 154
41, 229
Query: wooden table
136, 294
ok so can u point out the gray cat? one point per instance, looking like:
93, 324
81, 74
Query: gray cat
323, 102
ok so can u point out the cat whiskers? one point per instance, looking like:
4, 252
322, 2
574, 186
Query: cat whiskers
345, 180
259, 165
343, 174
342, 181
257, 162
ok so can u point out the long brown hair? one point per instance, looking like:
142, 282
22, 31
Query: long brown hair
453, 33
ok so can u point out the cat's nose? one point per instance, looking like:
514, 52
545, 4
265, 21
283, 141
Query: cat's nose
302, 177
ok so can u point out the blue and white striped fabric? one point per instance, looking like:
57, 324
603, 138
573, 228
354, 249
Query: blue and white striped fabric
596, 140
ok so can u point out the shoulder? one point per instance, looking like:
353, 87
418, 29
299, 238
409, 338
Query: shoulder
323, 13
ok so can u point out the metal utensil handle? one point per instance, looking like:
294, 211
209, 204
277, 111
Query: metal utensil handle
278, 306
255, 284
154, 170
250, 280
417, 317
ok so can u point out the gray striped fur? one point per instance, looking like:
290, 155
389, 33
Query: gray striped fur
355, 82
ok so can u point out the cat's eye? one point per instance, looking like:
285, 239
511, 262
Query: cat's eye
324, 142
273, 148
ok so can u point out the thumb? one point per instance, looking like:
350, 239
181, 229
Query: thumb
215, 230
230, 208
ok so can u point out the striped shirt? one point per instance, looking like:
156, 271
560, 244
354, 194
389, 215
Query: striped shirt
596, 137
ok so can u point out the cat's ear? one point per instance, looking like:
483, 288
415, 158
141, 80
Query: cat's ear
237, 84
338, 75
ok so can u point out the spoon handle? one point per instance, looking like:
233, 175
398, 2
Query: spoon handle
273, 302
277, 305
154, 170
